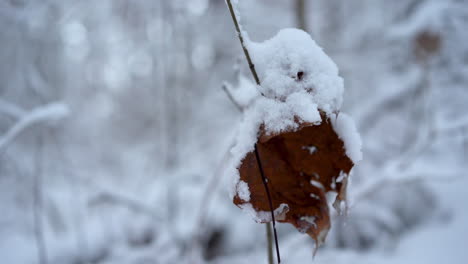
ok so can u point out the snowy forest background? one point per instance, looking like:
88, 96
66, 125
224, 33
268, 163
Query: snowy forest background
114, 125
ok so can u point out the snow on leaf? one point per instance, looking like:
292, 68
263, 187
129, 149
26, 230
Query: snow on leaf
291, 61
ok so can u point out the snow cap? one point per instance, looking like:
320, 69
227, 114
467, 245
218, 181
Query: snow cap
290, 62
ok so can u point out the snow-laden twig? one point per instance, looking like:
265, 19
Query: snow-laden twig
50, 112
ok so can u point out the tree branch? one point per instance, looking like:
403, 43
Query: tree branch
52, 111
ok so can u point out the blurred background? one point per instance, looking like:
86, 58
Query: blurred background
114, 127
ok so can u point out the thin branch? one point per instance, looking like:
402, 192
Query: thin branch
301, 14
265, 183
231, 97
52, 111
241, 38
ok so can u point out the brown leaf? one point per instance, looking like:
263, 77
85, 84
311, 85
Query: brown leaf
300, 168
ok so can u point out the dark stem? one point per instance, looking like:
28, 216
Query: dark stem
257, 155
241, 38
265, 183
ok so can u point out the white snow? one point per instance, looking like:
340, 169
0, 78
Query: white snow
244, 93
243, 191
341, 177
317, 184
265, 216
279, 60
309, 219
333, 184
306, 222
313, 195
311, 149
346, 129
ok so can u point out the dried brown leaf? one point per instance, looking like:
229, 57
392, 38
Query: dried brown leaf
300, 167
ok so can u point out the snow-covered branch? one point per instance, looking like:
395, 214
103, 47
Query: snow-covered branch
50, 112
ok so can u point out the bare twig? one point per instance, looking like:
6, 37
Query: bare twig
231, 97
301, 18
241, 38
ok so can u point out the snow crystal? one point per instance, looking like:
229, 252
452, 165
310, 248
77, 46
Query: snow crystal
346, 130
311, 149
333, 184
317, 184
313, 195
243, 191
